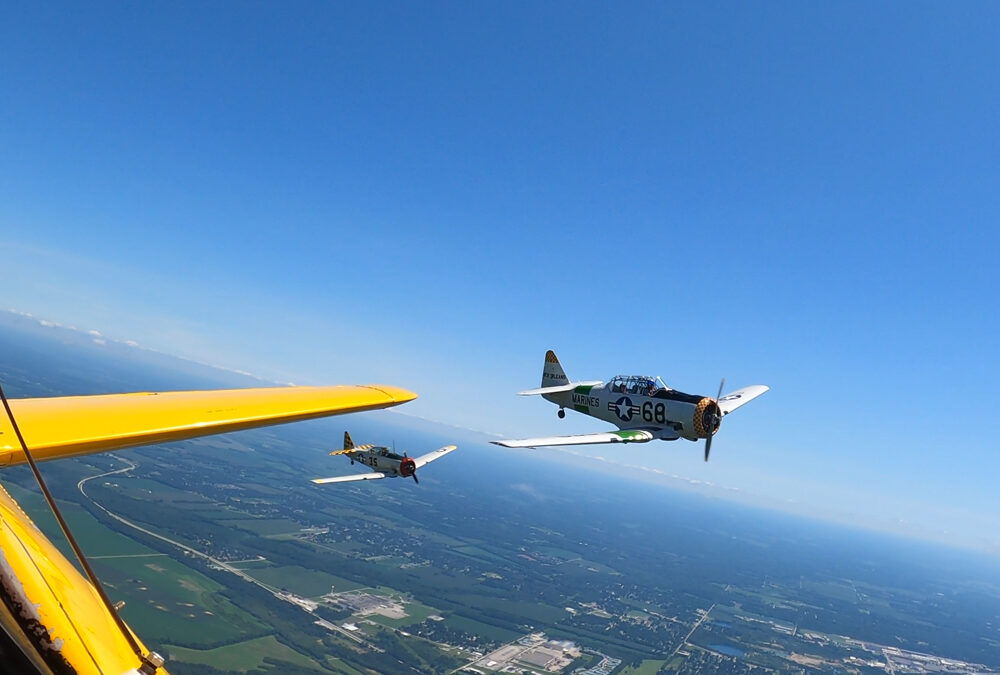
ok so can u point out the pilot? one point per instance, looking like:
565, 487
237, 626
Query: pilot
650, 387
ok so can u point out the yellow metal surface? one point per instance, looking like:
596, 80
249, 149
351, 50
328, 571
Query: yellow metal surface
43, 592
77, 425
61, 599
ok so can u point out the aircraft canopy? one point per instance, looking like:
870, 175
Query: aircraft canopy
644, 385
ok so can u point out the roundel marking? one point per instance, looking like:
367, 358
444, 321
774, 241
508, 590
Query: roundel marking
623, 408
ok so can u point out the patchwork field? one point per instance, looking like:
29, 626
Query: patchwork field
242, 657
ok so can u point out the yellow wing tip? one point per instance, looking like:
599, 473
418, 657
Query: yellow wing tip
397, 394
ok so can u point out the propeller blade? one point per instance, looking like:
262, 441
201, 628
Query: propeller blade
717, 420
415, 479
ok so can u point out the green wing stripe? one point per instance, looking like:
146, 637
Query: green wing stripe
628, 436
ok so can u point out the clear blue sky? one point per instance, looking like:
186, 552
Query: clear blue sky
805, 195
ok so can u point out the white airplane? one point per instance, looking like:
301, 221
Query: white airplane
382, 461
643, 408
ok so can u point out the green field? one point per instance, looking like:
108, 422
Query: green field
266, 527
241, 656
170, 602
145, 489
298, 580
343, 668
484, 630
415, 613
647, 667
251, 565
95, 538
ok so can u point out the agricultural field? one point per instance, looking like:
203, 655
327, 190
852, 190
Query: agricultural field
241, 657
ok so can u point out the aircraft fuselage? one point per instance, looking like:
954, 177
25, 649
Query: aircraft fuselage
379, 459
667, 413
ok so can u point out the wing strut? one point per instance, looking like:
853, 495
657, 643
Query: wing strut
152, 661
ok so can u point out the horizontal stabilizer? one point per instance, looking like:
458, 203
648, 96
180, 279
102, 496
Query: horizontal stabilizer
431, 456
348, 451
562, 387
624, 436
734, 400
347, 479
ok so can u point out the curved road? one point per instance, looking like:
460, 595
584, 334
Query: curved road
185, 547
281, 595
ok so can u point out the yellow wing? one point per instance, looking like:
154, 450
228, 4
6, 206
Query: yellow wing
49, 611
79, 425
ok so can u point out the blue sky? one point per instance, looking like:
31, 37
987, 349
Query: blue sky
798, 194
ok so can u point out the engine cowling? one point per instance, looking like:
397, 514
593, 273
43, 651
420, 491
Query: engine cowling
407, 467
707, 417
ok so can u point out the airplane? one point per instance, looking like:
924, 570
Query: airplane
53, 620
382, 461
643, 408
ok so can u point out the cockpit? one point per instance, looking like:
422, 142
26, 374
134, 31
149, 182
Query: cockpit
641, 385
387, 453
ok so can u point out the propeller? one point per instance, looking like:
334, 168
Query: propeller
407, 467
716, 420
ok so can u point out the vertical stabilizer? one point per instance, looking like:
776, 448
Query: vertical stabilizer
348, 443
553, 374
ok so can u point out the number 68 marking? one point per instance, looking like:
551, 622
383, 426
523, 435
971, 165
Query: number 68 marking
651, 413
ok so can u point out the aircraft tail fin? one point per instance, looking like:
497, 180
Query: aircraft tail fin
553, 374
348, 446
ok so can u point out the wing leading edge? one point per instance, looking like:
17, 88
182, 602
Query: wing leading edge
740, 397
431, 456
623, 436
348, 479
79, 425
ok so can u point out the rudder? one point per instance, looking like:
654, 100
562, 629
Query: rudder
553, 374
348, 443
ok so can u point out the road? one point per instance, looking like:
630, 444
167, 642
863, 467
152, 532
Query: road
693, 629
215, 561
278, 593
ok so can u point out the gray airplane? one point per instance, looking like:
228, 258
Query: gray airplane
642, 407
382, 461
